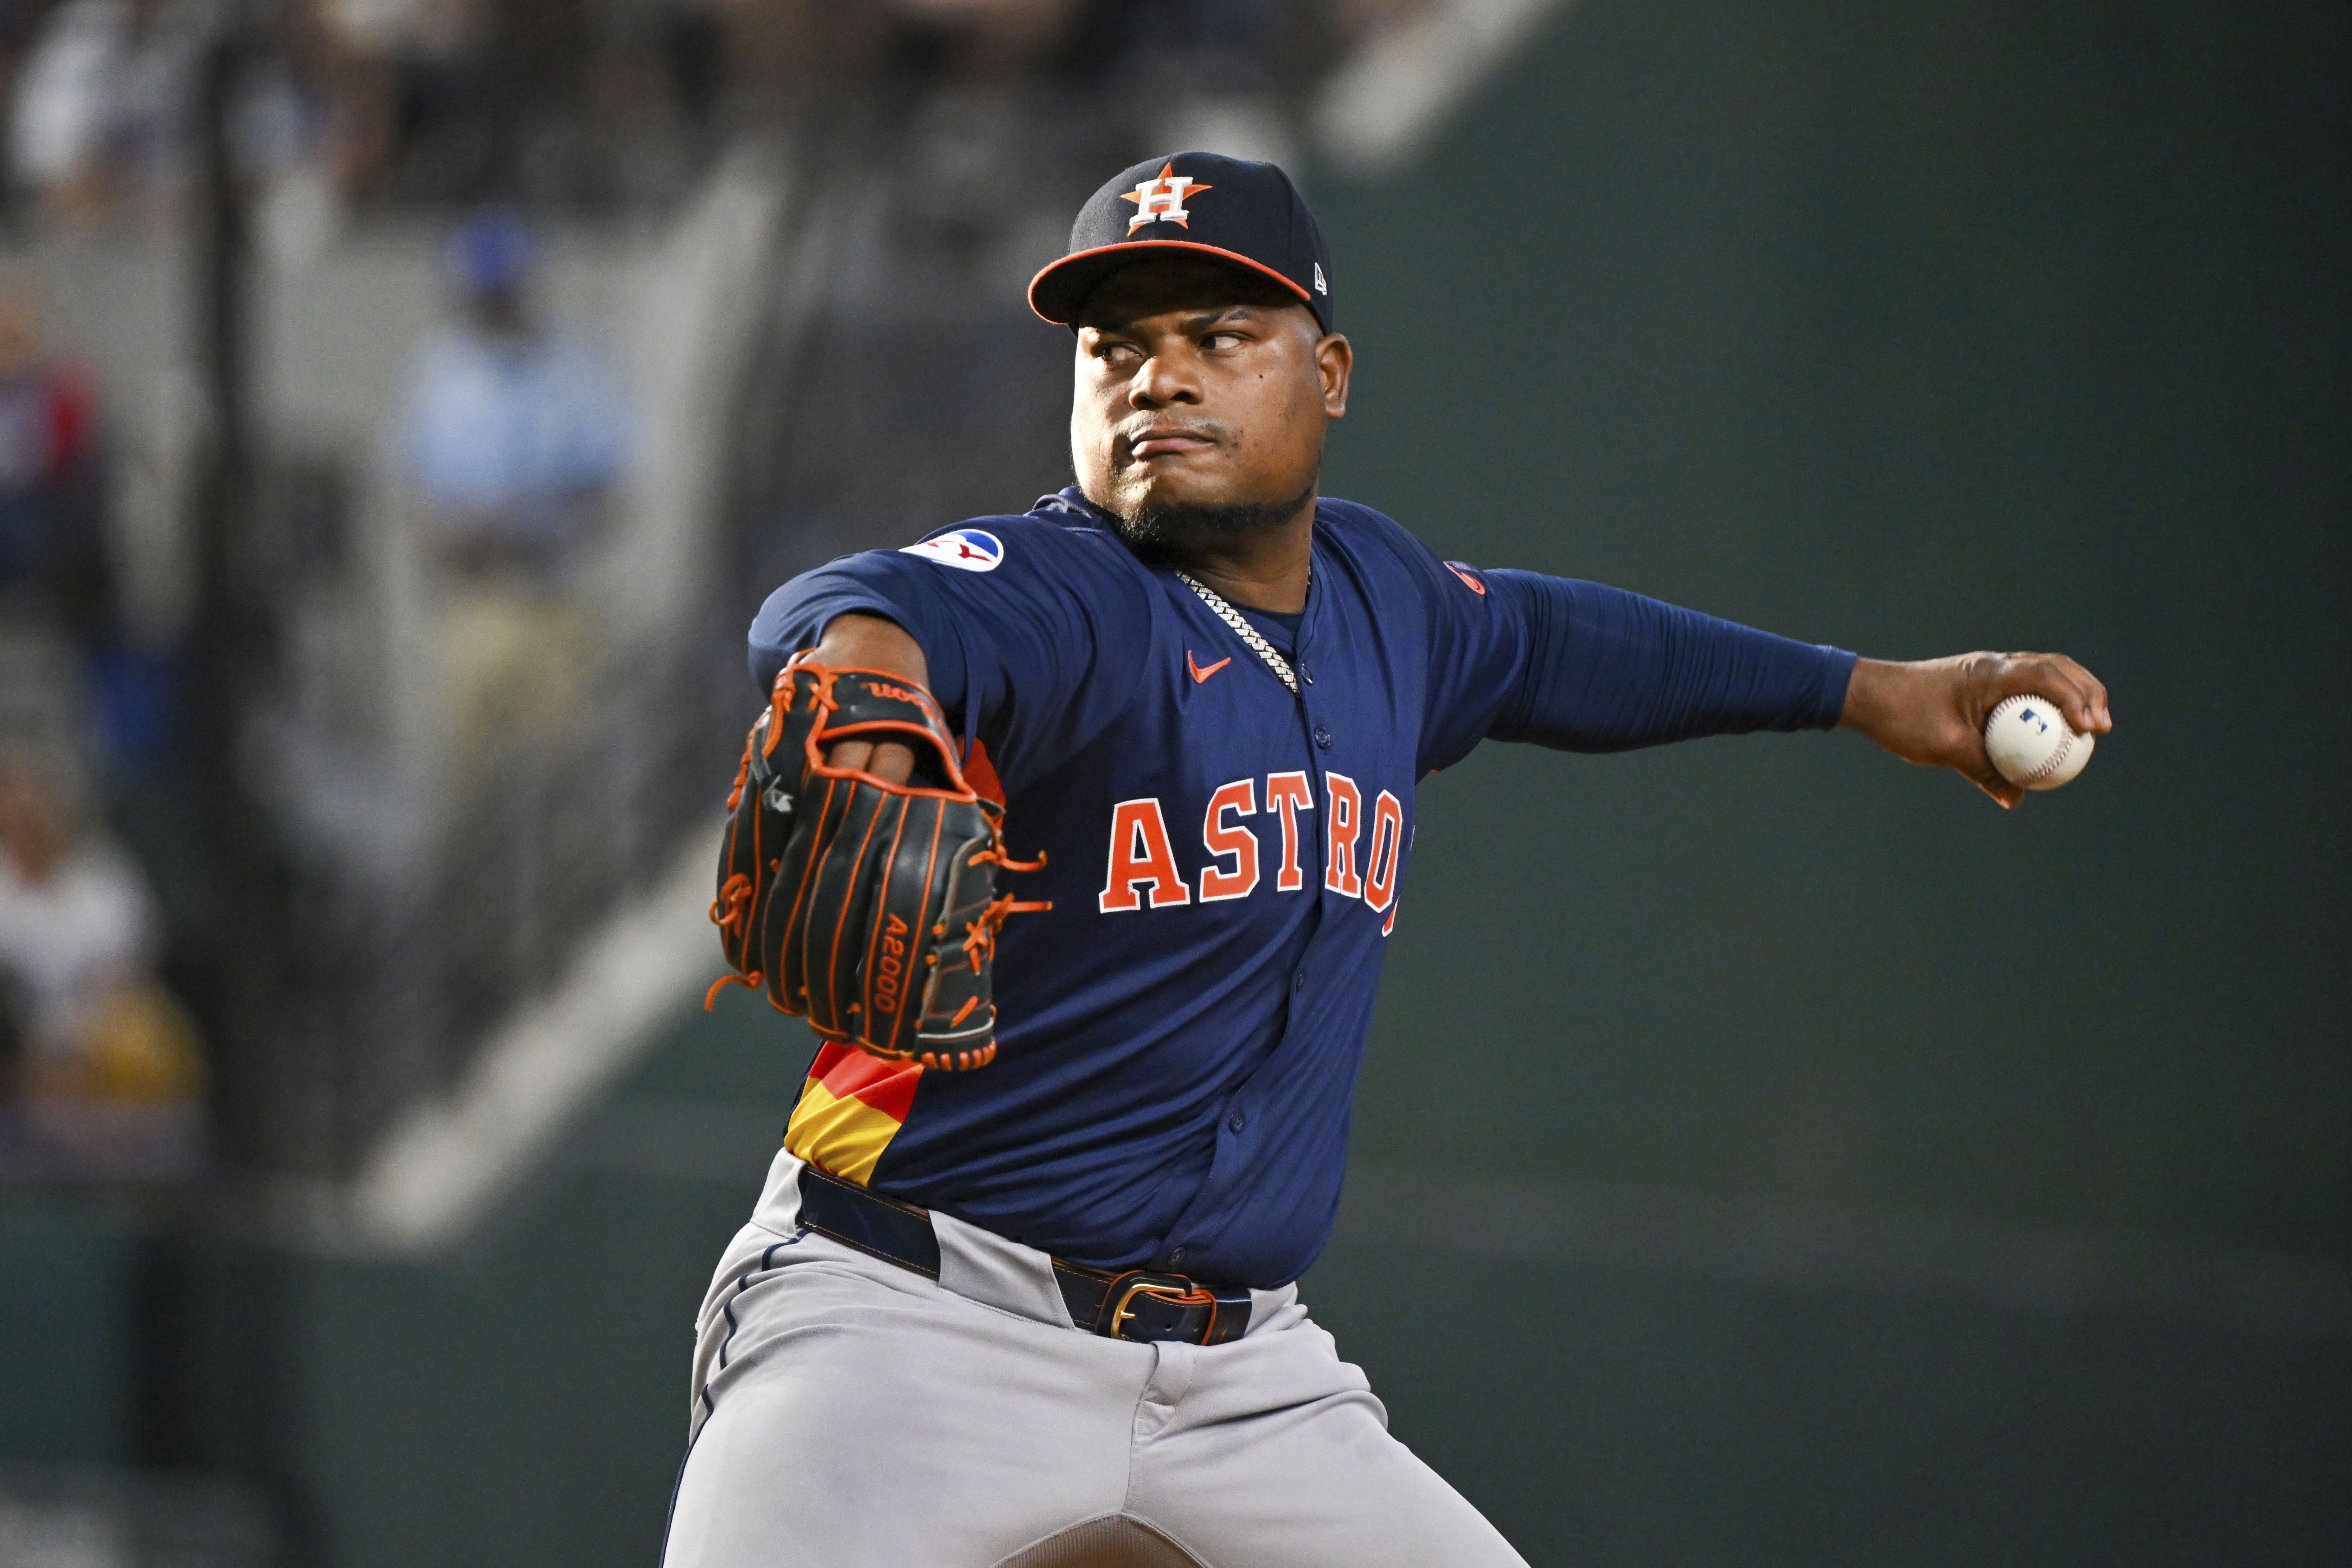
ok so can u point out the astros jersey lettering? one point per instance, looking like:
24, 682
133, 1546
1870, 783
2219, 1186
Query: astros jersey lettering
1179, 1035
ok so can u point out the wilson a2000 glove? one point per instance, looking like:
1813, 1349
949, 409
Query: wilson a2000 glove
867, 907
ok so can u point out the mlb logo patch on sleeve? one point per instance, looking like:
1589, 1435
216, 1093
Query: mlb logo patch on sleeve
965, 549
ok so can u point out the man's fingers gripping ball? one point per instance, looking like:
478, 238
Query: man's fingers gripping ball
2078, 697
857, 884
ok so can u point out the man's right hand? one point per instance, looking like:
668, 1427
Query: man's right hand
1933, 711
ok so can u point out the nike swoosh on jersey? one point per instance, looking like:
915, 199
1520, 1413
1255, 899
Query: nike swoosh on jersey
1199, 674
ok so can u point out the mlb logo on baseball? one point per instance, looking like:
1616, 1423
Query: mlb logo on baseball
965, 549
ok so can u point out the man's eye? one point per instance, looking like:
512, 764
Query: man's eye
1117, 353
1216, 341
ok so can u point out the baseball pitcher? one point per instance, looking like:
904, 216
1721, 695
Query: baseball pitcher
1077, 837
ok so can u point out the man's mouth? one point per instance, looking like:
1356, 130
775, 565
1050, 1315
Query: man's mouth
1168, 441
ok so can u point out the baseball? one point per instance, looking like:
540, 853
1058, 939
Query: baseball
2031, 745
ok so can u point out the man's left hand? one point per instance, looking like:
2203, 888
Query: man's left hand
1933, 711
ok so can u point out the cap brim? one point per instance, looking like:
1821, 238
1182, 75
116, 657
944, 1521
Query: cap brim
1059, 292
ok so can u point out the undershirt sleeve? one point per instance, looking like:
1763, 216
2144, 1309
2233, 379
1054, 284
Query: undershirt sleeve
1600, 669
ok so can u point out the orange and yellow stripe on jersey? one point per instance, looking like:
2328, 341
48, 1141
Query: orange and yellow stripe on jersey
850, 1109
853, 1104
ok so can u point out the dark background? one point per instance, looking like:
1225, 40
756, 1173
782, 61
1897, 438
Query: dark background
1913, 328
1916, 330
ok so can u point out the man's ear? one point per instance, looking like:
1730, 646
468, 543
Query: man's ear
1334, 360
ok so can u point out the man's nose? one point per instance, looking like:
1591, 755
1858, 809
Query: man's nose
1162, 379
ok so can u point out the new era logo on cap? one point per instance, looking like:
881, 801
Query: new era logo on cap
1249, 215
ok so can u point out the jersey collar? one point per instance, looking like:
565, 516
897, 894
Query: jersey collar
1071, 509
1076, 510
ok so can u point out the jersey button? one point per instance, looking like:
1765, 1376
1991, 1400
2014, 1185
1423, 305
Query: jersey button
1177, 1256
1305, 675
1238, 1122
1323, 736
1298, 981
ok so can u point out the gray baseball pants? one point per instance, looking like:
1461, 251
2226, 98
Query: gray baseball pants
851, 1413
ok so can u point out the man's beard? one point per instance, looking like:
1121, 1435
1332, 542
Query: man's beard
1180, 531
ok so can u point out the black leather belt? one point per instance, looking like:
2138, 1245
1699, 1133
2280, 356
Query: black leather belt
1121, 1304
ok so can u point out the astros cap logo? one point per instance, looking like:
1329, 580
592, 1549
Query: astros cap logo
1162, 199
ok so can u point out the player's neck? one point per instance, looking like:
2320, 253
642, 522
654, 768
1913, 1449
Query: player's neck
1265, 569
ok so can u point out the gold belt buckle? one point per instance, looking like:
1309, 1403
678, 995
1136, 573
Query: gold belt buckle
1174, 1288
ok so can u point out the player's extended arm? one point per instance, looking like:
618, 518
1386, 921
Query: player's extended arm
1606, 670
1933, 711
869, 642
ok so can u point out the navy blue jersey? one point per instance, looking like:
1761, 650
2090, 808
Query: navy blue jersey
1179, 1035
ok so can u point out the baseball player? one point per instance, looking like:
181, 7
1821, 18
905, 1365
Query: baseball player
1077, 837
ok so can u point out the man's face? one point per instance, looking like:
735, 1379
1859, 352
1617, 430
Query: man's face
1200, 387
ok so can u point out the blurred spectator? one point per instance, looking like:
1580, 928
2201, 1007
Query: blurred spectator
53, 566
514, 432
107, 1066
65, 650
513, 438
104, 105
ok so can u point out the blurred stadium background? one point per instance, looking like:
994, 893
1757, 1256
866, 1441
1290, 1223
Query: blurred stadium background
1765, 1155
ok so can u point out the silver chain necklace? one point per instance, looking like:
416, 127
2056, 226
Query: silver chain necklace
1247, 633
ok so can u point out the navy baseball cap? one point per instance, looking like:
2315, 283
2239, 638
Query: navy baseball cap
1247, 214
